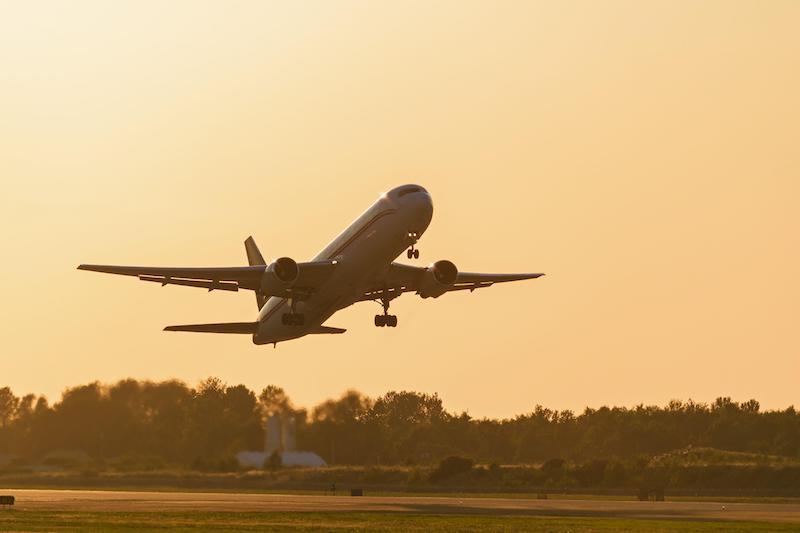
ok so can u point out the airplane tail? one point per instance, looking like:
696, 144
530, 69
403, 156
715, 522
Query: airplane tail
254, 258
227, 327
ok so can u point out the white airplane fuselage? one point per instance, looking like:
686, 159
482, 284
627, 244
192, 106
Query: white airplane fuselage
363, 252
296, 298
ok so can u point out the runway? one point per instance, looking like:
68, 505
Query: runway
145, 501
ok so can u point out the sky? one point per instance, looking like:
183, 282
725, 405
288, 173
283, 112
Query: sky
642, 154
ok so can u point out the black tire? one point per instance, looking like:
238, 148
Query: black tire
286, 319
391, 321
416, 254
380, 321
409, 254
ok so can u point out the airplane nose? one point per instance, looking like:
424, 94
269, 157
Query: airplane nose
424, 207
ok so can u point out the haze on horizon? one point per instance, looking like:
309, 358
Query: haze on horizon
644, 156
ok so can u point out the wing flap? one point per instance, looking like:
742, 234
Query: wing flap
206, 284
247, 277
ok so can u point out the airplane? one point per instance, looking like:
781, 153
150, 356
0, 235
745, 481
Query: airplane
295, 299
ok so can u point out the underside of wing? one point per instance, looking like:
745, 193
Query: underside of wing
314, 273
309, 276
428, 281
478, 278
326, 330
226, 327
245, 277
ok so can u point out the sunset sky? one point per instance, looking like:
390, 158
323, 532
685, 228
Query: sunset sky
645, 155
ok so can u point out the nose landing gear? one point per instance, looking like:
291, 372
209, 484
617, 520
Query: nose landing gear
413, 252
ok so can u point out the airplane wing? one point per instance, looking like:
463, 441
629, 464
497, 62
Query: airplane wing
406, 278
227, 327
310, 275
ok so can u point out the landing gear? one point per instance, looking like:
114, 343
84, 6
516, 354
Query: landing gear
293, 318
413, 252
385, 319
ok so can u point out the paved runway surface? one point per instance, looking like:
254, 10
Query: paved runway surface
88, 500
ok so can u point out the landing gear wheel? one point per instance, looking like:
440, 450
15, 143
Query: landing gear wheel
412, 252
385, 319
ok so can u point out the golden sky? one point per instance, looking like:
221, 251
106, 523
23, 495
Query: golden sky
645, 155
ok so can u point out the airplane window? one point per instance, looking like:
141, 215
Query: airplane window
408, 191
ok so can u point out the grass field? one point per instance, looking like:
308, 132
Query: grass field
16, 520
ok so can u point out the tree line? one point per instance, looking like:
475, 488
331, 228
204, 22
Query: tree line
182, 425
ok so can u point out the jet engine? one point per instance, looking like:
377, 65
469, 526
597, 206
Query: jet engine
437, 279
279, 276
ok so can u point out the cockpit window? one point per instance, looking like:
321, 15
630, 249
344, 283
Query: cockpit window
407, 190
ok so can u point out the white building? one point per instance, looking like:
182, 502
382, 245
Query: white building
279, 437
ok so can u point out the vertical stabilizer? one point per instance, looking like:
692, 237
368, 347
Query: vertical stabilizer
254, 258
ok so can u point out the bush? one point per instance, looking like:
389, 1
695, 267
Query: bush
274, 461
135, 461
451, 466
221, 464
591, 474
553, 466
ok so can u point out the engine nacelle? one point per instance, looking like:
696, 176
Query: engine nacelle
438, 278
280, 275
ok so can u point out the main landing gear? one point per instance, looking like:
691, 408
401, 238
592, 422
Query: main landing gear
413, 252
385, 319
293, 318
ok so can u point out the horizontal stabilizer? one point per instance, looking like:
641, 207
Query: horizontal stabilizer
226, 327
326, 329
